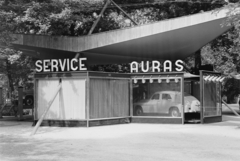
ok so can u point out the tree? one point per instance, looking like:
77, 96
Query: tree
13, 64
75, 18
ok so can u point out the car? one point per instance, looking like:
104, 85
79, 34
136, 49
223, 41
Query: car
28, 98
167, 102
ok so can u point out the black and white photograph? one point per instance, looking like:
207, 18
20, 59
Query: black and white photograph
119, 80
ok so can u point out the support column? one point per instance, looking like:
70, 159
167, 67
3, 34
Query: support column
198, 62
1, 101
20, 103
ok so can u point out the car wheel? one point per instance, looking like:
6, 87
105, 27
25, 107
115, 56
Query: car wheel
174, 112
29, 100
138, 111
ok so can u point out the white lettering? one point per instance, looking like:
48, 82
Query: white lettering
54, 65
81, 65
62, 64
167, 65
45, 65
72, 64
179, 65
134, 67
147, 66
68, 66
156, 65
38, 65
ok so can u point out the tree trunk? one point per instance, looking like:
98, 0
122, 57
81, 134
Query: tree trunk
8, 72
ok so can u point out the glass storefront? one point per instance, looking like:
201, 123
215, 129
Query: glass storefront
159, 97
211, 99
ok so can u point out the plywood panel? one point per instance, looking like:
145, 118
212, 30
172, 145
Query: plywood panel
46, 89
120, 98
72, 99
69, 103
99, 100
109, 98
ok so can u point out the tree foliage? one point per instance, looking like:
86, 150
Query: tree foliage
76, 17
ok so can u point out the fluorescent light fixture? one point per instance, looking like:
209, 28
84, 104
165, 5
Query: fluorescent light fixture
206, 78
210, 78
218, 79
221, 80
214, 79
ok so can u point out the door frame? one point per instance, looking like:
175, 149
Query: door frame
208, 119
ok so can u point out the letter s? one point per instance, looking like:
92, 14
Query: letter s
38, 66
179, 63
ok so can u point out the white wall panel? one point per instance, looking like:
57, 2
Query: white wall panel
69, 104
46, 89
72, 99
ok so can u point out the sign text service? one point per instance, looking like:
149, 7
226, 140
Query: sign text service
60, 65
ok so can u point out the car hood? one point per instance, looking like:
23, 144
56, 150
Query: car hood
190, 98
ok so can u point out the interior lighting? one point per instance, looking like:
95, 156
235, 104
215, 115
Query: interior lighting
159, 79
206, 78
167, 80
214, 79
151, 80
135, 80
176, 79
221, 80
143, 80
210, 78
218, 79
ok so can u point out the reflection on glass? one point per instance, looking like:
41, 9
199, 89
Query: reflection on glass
157, 99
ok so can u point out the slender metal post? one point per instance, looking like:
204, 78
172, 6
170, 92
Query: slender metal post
201, 96
182, 91
1, 110
1, 101
99, 16
124, 12
47, 109
20, 103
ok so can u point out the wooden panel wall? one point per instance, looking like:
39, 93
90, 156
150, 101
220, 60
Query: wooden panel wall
109, 98
69, 103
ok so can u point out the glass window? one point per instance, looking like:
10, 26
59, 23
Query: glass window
166, 96
155, 97
162, 99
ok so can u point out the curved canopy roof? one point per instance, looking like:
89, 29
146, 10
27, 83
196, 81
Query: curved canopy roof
169, 39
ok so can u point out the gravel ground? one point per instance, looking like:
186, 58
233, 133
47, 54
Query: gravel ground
126, 142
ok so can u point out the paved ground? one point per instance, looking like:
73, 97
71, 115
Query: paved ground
128, 142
